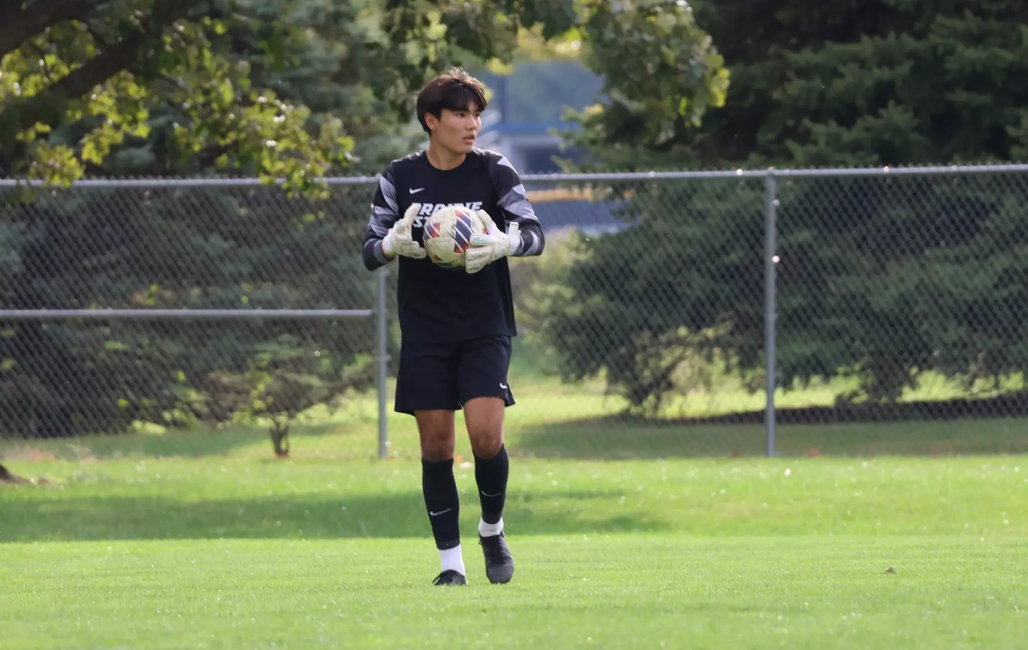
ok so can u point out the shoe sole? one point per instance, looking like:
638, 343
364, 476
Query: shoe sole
451, 584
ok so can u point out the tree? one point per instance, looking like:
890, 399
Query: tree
880, 278
661, 74
879, 272
269, 87
876, 82
279, 89
109, 66
104, 65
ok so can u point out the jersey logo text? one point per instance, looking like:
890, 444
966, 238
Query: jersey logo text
428, 209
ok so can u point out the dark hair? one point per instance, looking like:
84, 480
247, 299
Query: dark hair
454, 90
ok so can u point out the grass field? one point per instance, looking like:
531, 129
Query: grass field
730, 553
626, 534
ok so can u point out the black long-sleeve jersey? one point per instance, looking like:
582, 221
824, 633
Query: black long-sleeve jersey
438, 304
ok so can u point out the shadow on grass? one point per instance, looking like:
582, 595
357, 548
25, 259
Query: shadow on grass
365, 516
187, 444
602, 438
625, 437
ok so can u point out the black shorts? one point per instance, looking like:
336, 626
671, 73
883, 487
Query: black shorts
446, 375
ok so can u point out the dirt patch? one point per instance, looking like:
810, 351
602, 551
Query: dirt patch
29, 455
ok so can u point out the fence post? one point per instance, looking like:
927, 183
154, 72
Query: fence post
382, 321
770, 305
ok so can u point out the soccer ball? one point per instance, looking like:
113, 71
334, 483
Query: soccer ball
447, 235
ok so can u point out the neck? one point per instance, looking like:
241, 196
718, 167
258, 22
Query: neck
444, 159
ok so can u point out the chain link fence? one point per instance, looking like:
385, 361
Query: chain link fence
890, 306
135, 311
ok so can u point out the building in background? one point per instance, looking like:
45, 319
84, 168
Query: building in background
525, 123
530, 146
525, 116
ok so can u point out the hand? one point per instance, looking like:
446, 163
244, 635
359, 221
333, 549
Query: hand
398, 240
494, 245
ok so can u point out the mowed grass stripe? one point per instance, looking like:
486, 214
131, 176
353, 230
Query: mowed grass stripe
598, 590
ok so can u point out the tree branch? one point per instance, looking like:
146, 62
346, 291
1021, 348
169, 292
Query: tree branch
49, 106
18, 25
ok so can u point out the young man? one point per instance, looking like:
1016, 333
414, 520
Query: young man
456, 325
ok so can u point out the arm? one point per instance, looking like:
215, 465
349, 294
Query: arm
384, 213
524, 237
517, 208
388, 235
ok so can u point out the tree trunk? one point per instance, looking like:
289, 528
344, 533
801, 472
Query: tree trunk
280, 439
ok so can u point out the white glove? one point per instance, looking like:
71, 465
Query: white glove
494, 245
398, 240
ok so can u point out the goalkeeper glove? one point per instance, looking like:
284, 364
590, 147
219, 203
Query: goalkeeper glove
494, 245
398, 240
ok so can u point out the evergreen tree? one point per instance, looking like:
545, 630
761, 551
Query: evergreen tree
882, 278
843, 83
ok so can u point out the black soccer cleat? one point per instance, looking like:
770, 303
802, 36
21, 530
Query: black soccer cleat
450, 577
499, 565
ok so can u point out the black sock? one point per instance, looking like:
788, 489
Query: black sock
491, 476
442, 501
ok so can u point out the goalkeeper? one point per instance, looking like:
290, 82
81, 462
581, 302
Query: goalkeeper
456, 325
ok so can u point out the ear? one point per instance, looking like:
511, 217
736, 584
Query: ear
432, 121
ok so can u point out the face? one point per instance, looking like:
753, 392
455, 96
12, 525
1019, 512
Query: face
456, 130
